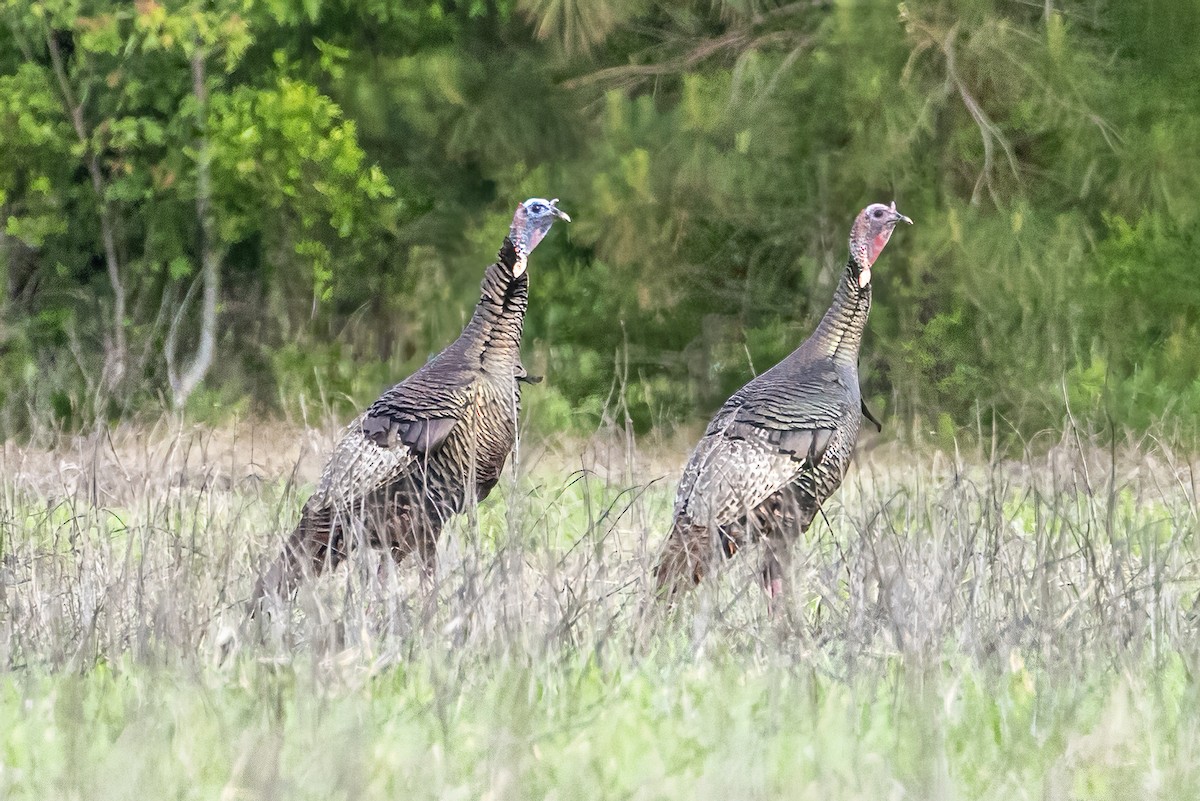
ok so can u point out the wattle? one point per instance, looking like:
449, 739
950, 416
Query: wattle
876, 246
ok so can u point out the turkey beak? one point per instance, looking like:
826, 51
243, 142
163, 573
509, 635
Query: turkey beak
898, 217
562, 215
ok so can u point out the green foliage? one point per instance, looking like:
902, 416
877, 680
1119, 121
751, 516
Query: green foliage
113, 111
657, 730
365, 158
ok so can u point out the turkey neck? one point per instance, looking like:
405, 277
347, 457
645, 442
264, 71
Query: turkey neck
494, 332
840, 331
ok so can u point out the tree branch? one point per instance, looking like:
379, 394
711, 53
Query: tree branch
171, 344
182, 386
989, 132
116, 349
624, 72
740, 39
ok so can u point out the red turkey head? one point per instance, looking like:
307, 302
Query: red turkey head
530, 223
870, 233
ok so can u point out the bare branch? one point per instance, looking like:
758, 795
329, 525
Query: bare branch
638, 72
116, 350
171, 345
210, 274
784, 66
165, 302
988, 130
738, 40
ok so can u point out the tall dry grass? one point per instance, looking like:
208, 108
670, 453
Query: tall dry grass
143, 544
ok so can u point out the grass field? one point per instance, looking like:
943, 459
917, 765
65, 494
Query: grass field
961, 627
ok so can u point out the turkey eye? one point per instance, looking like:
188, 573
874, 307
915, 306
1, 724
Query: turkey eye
877, 214
537, 208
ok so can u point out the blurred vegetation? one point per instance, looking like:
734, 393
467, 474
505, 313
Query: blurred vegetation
338, 174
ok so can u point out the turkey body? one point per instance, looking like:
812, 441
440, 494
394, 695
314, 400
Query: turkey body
421, 483
781, 445
772, 452
426, 449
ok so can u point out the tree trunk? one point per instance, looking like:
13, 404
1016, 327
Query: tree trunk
183, 385
116, 348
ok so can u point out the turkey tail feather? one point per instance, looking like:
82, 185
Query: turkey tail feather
684, 560
314, 543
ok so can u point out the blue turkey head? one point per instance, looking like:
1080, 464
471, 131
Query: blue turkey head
531, 221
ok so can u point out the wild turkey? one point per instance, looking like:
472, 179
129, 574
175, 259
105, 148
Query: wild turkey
781, 445
431, 442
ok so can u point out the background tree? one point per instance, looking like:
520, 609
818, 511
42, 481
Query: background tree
311, 189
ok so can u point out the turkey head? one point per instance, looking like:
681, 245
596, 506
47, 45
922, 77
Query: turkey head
531, 221
870, 234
